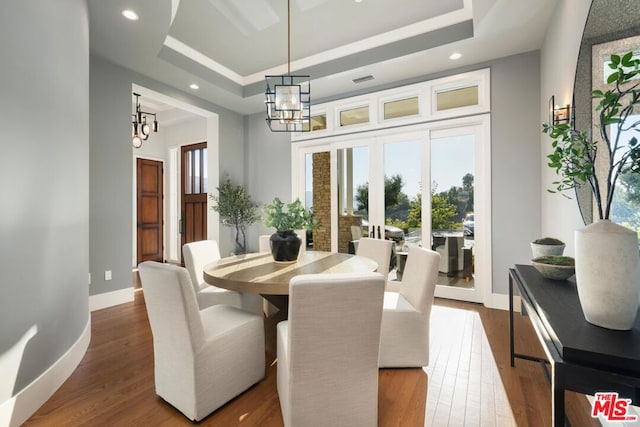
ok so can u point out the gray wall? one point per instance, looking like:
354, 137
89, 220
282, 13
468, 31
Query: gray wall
268, 169
44, 175
515, 162
515, 159
111, 167
232, 162
560, 216
111, 181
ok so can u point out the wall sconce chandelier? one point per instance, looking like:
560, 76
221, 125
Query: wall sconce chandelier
140, 129
288, 97
559, 114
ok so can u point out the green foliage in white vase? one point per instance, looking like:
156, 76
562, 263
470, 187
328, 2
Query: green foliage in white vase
292, 216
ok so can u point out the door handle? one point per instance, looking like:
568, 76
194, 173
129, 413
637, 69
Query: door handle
181, 227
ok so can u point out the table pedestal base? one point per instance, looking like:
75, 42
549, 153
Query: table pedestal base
281, 302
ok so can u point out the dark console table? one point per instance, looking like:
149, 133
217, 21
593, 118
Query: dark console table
583, 357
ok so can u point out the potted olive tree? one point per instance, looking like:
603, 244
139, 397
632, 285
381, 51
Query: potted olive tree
607, 262
236, 210
285, 243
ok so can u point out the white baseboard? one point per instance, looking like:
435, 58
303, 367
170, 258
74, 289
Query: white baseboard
18, 409
501, 302
109, 299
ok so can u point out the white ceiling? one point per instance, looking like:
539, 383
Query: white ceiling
227, 46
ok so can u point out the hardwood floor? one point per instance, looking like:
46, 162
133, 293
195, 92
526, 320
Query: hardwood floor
465, 388
113, 385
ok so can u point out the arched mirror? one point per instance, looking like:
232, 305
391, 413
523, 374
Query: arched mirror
612, 26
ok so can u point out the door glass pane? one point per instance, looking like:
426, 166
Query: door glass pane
452, 214
308, 193
196, 171
308, 181
204, 170
353, 196
401, 108
457, 98
188, 173
402, 200
354, 116
173, 203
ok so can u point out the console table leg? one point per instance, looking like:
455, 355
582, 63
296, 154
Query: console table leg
557, 396
511, 346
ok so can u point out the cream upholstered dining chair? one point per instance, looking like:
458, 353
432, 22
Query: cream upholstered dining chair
378, 250
198, 254
356, 232
263, 243
302, 234
328, 350
404, 335
203, 358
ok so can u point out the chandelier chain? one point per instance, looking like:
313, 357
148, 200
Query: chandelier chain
289, 37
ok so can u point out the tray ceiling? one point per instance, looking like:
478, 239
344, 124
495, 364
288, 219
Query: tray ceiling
227, 46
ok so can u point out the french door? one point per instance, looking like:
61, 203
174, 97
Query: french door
425, 187
459, 210
193, 221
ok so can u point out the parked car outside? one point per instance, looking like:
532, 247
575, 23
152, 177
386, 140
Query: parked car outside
468, 225
393, 233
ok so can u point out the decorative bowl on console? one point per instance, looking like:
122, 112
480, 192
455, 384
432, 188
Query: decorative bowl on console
547, 246
555, 267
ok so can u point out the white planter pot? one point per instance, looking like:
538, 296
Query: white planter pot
608, 274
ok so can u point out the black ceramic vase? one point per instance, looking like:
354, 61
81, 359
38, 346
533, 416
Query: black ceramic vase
285, 246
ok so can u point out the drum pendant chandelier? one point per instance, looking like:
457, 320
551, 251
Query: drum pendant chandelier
140, 129
288, 97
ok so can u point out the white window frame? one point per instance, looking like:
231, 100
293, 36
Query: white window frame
425, 92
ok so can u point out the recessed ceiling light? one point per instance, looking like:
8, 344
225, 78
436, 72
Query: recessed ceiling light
455, 55
358, 1
130, 14
194, 86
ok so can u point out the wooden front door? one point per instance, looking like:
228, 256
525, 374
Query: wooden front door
149, 196
194, 193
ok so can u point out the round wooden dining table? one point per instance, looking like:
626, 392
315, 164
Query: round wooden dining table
259, 273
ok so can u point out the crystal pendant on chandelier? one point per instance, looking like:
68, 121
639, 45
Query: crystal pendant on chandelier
288, 102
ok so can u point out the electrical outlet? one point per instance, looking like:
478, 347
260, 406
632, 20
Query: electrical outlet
107, 275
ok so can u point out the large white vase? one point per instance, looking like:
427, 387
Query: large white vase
608, 274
